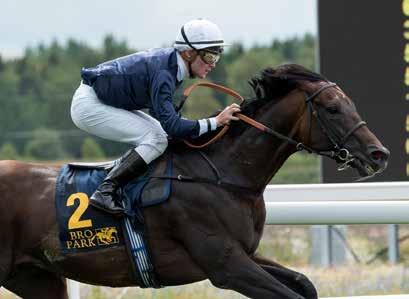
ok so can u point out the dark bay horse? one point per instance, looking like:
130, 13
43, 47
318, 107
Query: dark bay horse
206, 230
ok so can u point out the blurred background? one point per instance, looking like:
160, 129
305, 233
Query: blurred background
44, 44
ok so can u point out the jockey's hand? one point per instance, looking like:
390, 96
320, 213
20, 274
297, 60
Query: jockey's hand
226, 115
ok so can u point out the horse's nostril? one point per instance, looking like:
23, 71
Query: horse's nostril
378, 154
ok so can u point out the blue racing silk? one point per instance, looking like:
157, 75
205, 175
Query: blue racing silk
146, 79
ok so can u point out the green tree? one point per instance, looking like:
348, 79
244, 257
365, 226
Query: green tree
36, 89
201, 103
249, 65
8, 152
55, 53
44, 145
233, 53
113, 48
2, 64
297, 50
90, 150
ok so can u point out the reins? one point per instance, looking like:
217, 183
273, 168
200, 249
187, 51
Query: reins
217, 87
242, 117
338, 150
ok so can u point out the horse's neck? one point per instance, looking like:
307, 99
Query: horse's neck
254, 157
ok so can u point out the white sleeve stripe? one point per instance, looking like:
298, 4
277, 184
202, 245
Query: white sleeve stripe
213, 123
203, 126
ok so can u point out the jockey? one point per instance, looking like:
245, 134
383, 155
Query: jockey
111, 95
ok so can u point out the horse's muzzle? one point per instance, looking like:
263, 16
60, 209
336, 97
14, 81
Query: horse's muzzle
378, 156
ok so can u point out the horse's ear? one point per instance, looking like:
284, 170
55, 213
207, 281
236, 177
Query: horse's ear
258, 88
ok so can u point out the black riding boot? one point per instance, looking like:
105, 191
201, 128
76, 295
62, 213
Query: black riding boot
105, 198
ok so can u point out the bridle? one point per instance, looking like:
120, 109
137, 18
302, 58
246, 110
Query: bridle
338, 150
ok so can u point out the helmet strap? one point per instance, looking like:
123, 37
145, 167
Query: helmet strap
189, 58
191, 75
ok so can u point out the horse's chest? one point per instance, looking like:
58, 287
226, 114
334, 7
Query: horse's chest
248, 227
247, 236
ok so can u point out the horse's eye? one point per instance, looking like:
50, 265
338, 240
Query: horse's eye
332, 109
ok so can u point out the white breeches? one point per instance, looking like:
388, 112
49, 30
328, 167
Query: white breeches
135, 127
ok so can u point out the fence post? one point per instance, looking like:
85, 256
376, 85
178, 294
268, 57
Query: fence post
327, 248
393, 241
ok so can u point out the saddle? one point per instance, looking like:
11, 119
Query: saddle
149, 189
107, 165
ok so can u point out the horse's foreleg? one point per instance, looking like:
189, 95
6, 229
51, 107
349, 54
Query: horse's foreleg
5, 264
4, 272
229, 267
31, 282
243, 275
296, 281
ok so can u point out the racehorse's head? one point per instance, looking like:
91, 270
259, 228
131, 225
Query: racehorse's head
326, 118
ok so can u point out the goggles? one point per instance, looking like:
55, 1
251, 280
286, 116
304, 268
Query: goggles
209, 57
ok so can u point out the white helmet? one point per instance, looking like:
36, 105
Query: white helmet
199, 34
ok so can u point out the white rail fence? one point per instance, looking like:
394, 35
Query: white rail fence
357, 203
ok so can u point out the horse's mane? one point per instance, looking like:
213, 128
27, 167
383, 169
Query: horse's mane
271, 84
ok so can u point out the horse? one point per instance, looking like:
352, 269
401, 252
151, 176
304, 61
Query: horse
210, 227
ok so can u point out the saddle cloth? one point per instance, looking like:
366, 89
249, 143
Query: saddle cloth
84, 228
78, 220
